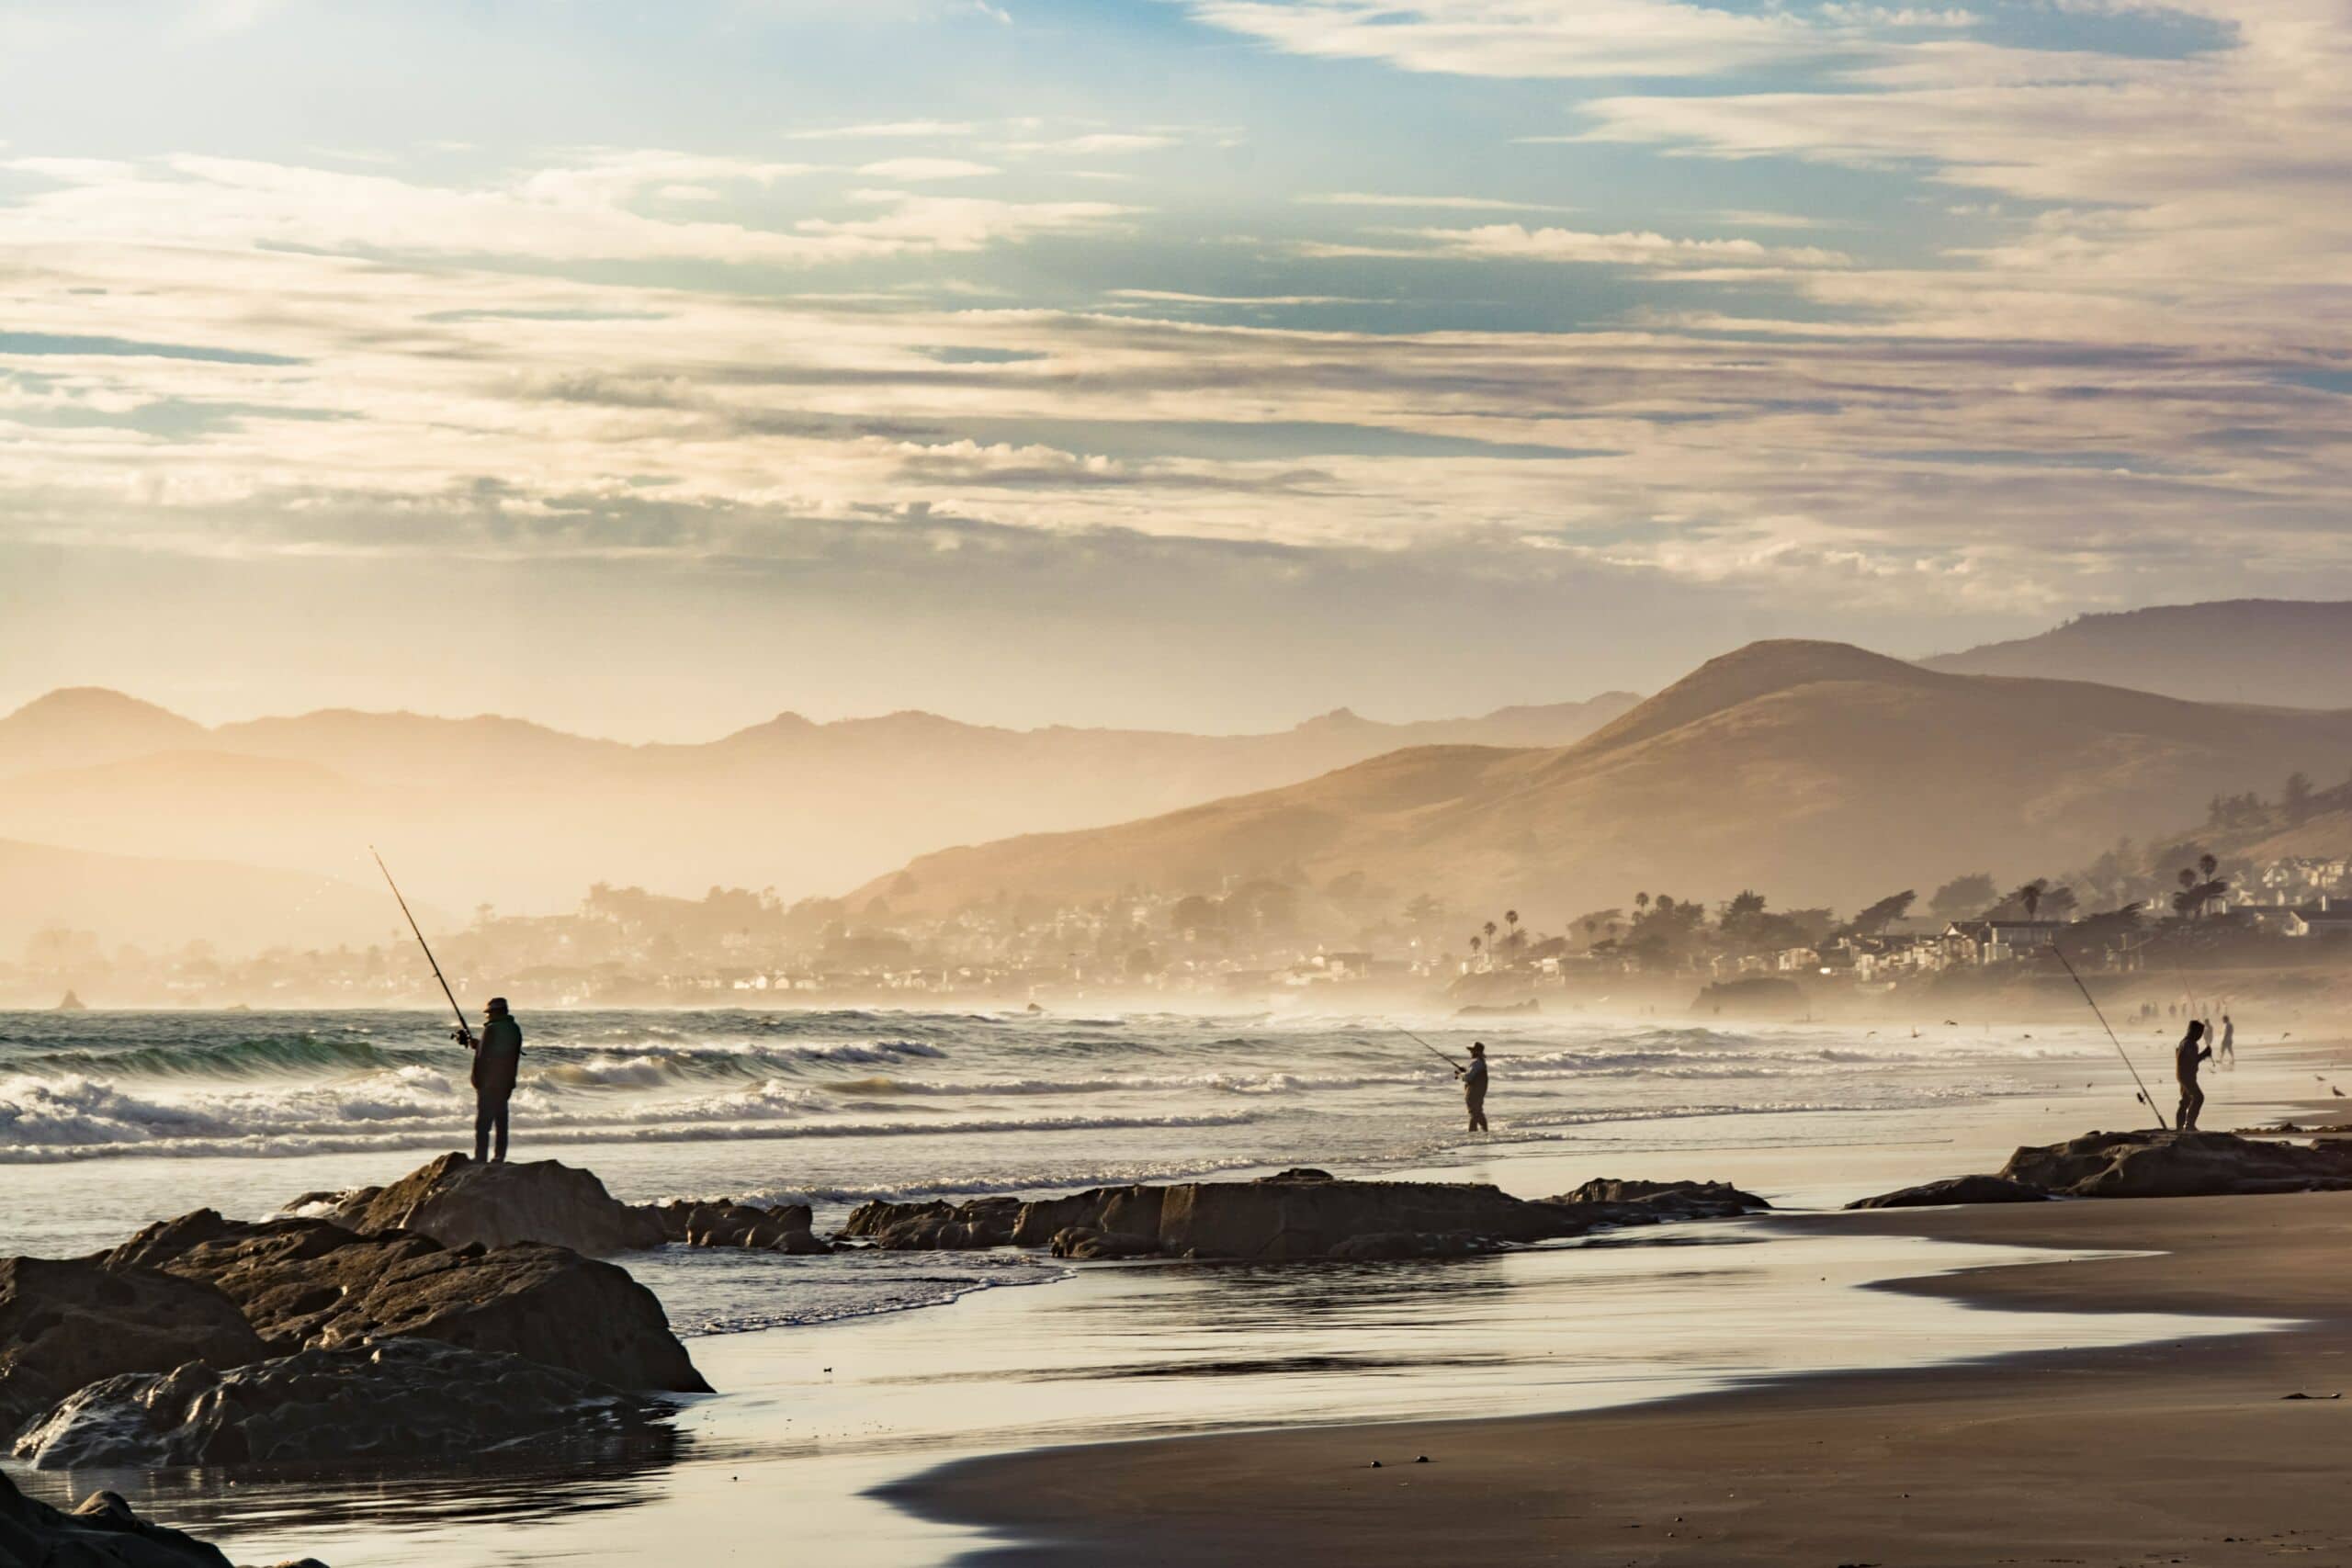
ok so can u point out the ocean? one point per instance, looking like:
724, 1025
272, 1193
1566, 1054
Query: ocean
842, 1374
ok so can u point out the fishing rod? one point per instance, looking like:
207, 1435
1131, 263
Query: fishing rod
1427, 1046
2120, 1050
464, 1033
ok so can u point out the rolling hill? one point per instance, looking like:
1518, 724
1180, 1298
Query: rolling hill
2278, 652
1814, 771
502, 811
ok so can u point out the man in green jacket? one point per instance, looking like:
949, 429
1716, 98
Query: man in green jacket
498, 1054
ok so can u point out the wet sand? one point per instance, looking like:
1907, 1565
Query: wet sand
2154, 1453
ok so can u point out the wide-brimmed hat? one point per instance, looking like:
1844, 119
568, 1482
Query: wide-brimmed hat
497, 1004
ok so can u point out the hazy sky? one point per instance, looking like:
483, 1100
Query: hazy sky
650, 368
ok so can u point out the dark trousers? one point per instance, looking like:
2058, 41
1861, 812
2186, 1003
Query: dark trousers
1477, 1099
2192, 1101
490, 1113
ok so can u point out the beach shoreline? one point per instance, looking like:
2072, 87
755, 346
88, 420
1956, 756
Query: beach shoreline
2018, 1458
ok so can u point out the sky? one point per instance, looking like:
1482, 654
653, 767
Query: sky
651, 368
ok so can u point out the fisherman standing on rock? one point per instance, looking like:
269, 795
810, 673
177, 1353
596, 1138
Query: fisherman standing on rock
498, 1057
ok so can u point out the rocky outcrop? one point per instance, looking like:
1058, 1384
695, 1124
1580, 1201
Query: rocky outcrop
935, 1227
724, 1222
1115, 1211
2178, 1165
1606, 1200
1089, 1245
1294, 1214
460, 1202
399, 1399
1956, 1189
102, 1533
308, 1283
2150, 1162
64, 1322
1305, 1214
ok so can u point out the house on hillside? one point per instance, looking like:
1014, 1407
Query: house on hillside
1998, 941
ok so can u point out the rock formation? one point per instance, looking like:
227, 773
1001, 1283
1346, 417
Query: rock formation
398, 1399
64, 1322
460, 1202
2151, 1163
1955, 1190
305, 1282
1293, 1215
724, 1222
102, 1533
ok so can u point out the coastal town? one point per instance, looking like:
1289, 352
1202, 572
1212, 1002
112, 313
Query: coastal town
1259, 941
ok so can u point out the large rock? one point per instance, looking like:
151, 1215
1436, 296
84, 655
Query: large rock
460, 1202
1113, 1210
935, 1227
724, 1222
1956, 1189
2155, 1164
102, 1533
65, 1323
1606, 1200
305, 1283
1306, 1214
398, 1399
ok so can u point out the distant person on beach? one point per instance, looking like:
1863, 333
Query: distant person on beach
2184, 1067
1474, 1086
2228, 1050
498, 1055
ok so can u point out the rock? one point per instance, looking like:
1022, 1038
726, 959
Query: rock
725, 1222
935, 1227
1080, 1242
1957, 1189
460, 1202
306, 1283
1608, 1201
399, 1399
2153, 1164
1126, 1211
102, 1533
64, 1322
1283, 1219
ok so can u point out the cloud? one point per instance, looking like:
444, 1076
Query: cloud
579, 211
1511, 242
886, 130
925, 169
1464, 203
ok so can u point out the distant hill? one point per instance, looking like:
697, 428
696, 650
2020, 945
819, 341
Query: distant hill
1814, 771
506, 812
2276, 652
80, 726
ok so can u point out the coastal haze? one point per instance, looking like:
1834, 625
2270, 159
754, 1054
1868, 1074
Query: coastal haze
1470, 756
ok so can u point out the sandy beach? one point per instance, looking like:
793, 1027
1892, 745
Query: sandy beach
2158, 1452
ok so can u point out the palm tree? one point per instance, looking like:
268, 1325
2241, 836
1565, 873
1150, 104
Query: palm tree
1641, 903
2030, 896
1491, 933
2208, 864
1476, 943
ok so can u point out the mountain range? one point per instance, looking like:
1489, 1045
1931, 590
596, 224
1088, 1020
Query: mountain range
1814, 771
2280, 652
516, 814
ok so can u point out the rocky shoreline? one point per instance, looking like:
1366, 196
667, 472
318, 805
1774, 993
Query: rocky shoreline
472, 1309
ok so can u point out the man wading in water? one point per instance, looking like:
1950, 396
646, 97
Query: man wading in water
2184, 1067
497, 1056
1474, 1086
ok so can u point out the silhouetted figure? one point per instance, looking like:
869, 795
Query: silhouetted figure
498, 1055
1474, 1086
2228, 1050
2184, 1067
